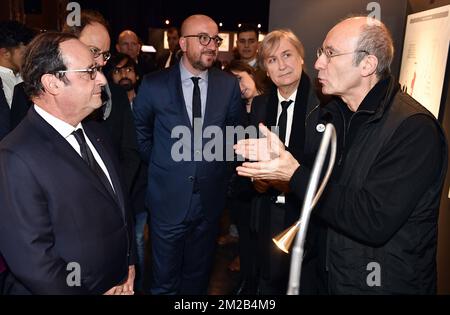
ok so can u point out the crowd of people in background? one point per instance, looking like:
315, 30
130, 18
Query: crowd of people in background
86, 165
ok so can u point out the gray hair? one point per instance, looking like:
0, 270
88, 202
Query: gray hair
271, 42
375, 39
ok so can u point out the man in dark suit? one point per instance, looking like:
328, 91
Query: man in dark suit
187, 195
64, 224
14, 36
172, 55
117, 116
293, 107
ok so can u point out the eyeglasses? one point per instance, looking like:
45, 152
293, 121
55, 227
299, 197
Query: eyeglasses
205, 39
96, 52
330, 53
92, 71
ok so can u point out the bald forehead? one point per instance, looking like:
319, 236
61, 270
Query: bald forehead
128, 35
346, 33
198, 23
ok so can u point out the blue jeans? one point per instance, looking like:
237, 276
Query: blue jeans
141, 220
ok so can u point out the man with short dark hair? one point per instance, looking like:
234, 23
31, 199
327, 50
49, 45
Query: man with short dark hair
247, 44
381, 210
123, 73
65, 227
172, 55
14, 37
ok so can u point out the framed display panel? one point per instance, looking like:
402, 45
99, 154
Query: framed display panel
425, 54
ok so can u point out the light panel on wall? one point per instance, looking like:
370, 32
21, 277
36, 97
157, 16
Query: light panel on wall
166, 44
226, 42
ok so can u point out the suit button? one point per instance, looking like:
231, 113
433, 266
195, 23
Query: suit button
191, 178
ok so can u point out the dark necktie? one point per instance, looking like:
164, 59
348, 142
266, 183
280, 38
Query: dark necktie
196, 100
172, 59
88, 157
5, 113
282, 121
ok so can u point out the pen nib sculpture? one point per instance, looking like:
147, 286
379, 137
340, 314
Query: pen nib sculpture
285, 238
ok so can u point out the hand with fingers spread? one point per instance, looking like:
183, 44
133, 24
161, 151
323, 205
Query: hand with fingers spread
275, 163
262, 149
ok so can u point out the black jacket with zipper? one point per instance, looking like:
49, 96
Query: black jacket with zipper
381, 216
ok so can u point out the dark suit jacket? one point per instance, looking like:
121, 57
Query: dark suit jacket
20, 105
120, 126
5, 113
159, 107
161, 61
303, 144
54, 210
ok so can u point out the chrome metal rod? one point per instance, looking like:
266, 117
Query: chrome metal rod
310, 201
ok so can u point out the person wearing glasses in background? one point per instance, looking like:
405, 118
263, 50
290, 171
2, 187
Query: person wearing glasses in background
116, 115
186, 195
65, 227
123, 73
130, 44
380, 209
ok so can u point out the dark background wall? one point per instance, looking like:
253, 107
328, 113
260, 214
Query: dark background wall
312, 19
140, 15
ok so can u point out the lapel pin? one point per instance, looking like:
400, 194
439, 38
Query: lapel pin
320, 128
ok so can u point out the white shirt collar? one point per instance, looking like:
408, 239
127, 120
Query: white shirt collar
187, 75
63, 128
9, 72
292, 97
252, 63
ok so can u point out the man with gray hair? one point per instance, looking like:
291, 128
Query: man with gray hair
380, 209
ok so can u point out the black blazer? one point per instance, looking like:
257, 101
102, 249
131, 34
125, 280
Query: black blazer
120, 127
20, 105
304, 138
54, 210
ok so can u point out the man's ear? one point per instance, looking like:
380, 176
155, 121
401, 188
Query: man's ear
118, 47
369, 65
51, 84
182, 43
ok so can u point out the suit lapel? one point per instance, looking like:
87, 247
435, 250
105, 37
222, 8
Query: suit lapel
176, 92
212, 90
60, 146
105, 155
272, 108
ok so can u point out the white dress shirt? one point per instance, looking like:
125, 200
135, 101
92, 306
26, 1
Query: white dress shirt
290, 114
10, 80
167, 65
66, 130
